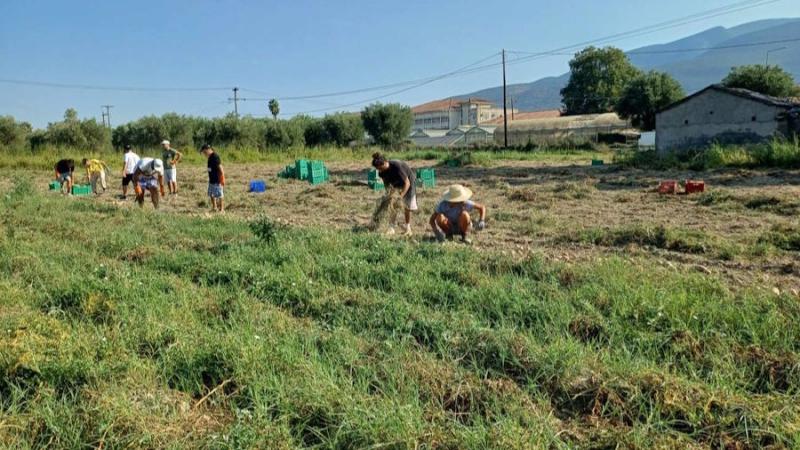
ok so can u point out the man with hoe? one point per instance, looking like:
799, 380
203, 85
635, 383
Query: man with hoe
171, 158
398, 176
451, 216
149, 177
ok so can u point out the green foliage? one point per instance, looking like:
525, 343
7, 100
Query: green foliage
768, 80
777, 153
468, 158
274, 108
389, 125
73, 133
14, 135
264, 229
598, 77
342, 340
343, 128
647, 94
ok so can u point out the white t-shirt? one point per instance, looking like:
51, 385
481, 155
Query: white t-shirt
150, 166
131, 160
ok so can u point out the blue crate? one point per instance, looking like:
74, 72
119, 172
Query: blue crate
257, 186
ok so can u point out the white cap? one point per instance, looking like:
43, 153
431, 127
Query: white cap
158, 166
165, 142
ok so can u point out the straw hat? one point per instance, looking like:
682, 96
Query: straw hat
457, 194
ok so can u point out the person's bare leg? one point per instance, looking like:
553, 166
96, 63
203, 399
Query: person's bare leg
465, 224
221, 207
140, 199
173, 187
154, 196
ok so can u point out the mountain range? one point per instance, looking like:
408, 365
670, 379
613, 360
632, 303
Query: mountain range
695, 61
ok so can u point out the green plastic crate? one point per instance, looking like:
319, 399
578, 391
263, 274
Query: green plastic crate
55, 186
301, 169
315, 164
376, 185
81, 189
597, 162
373, 175
426, 174
426, 183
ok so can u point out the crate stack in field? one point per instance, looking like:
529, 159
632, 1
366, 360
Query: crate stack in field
426, 178
81, 189
374, 180
303, 169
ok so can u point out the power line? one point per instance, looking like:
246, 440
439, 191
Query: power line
704, 15
110, 88
687, 50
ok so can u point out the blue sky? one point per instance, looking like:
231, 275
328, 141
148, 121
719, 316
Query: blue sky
299, 47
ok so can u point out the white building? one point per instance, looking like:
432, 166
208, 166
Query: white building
451, 113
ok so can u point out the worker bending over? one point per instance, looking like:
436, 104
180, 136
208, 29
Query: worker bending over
149, 177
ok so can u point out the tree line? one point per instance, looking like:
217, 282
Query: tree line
383, 124
604, 80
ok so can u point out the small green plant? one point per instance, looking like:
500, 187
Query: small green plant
265, 229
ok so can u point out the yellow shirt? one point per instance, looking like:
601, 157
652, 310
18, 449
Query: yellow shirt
95, 166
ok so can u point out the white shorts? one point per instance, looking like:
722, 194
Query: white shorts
410, 201
171, 175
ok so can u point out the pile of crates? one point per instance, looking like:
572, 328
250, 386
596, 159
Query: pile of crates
374, 180
303, 169
426, 178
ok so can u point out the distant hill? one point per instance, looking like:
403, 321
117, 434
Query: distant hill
695, 70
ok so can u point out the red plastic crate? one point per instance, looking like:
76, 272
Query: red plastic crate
668, 187
695, 186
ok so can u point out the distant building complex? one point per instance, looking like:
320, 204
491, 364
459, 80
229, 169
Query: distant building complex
450, 113
723, 115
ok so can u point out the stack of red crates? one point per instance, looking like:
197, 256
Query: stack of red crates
695, 186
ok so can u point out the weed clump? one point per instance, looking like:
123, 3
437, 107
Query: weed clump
265, 229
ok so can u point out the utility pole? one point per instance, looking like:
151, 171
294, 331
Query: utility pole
107, 115
505, 102
235, 100
512, 107
773, 51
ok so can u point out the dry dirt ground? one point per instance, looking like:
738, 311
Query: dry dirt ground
543, 208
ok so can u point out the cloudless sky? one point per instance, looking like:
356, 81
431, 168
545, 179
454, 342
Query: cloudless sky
298, 47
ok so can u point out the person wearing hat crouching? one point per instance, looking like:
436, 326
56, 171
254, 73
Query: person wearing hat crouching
171, 158
149, 177
451, 216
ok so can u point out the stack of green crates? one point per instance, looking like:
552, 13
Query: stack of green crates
426, 178
317, 173
288, 172
81, 189
374, 180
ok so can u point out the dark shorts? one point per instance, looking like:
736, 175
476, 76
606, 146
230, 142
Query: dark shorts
126, 180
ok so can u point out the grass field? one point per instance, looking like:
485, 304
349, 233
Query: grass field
593, 313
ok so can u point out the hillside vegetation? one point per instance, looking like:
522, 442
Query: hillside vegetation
127, 328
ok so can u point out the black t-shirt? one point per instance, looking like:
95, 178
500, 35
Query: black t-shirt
213, 168
65, 166
397, 173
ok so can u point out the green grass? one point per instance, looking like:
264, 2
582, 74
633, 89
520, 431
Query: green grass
45, 159
778, 153
127, 328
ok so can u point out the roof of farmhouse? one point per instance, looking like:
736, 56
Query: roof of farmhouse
445, 105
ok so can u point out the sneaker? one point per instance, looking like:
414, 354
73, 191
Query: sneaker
390, 231
466, 240
440, 237
407, 230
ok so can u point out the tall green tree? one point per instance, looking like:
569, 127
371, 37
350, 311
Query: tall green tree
14, 135
645, 95
343, 128
768, 80
274, 108
389, 124
597, 78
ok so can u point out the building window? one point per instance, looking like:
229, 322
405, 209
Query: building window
711, 113
753, 119
686, 122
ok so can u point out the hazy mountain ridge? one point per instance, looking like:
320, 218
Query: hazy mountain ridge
694, 70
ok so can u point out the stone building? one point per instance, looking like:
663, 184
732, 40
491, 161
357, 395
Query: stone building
723, 115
